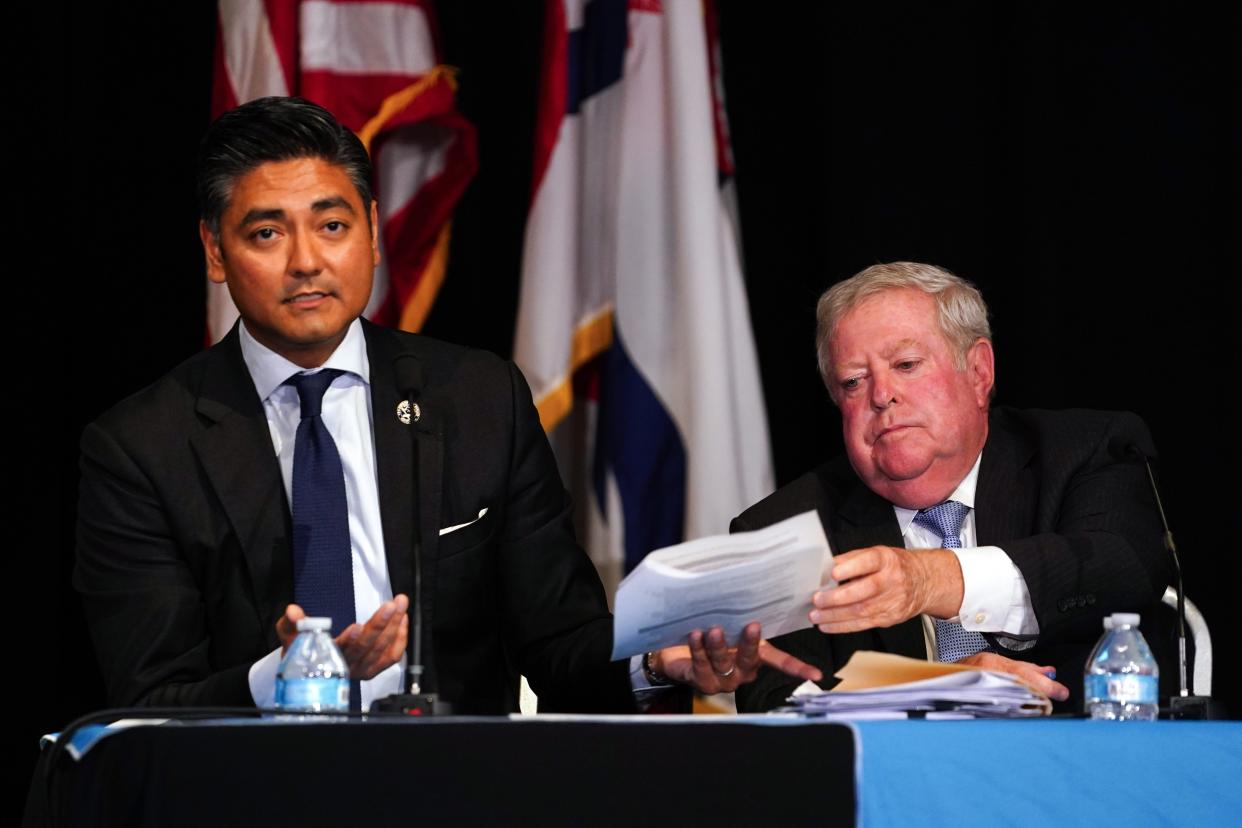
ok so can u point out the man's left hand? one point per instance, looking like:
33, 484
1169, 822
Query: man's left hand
1039, 677
884, 585
710, 665
373, 647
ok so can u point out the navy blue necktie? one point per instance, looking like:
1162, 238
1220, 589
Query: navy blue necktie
945, 519
323, 570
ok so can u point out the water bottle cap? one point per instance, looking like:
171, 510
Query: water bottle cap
324, 624
1122, 619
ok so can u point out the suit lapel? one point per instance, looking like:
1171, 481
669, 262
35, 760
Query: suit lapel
1005, 493
237, 456
866, 519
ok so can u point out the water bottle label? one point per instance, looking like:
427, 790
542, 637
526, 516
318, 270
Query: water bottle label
1125, 688
313, 694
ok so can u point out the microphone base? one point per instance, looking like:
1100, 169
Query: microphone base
413, 704
1191, 707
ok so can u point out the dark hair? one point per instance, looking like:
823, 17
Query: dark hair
274, 129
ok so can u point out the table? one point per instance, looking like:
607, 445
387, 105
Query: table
658, 770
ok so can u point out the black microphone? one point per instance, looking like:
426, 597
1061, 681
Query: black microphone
1183, 705
1127, 448
419, 699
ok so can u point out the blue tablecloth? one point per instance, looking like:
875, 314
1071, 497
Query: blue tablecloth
1049, 772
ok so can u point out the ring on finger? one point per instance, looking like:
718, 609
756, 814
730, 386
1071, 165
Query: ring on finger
725, 674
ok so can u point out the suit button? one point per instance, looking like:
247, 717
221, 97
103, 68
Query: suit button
1091, 599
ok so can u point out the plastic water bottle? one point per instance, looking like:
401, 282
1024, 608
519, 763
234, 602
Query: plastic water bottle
313, 675
1122, 678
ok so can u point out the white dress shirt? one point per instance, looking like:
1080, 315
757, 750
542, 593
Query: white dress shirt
347, 415
995, 598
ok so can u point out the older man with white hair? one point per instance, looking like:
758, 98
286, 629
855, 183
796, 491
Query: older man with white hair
963, 532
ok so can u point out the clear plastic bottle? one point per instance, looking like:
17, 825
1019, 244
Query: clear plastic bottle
313, 675
1122, 679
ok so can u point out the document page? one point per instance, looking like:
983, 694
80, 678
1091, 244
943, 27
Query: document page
725, 580
875, 683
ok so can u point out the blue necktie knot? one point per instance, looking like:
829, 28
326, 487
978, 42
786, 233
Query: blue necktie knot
311, 388
945, 519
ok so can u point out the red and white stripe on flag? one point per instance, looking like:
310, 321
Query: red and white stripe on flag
374, 65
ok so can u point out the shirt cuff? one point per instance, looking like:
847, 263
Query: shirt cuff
994, 596
639, 680
263, 679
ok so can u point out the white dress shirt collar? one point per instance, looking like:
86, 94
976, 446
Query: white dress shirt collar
269, 370
964, 494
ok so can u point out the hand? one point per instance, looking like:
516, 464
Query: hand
883, 585
375, 646
711, 666
1032, 674
368, 648
287, 626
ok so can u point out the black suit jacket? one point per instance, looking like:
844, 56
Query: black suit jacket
1080, 525
184, 558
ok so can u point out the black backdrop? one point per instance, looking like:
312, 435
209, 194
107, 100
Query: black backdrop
1079, 164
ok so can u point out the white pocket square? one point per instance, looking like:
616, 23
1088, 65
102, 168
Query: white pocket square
447, 529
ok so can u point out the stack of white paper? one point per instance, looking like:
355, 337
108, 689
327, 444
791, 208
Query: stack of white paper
727, 581
874, 684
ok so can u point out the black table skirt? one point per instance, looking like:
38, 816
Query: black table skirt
459, 771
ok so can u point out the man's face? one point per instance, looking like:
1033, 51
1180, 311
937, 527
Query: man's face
298, 254
914, 423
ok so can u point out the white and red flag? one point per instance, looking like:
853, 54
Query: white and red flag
375, 66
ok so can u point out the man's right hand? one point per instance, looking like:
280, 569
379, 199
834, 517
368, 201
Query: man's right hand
1032, 674
368, 648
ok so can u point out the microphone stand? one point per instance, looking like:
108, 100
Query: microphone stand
414, 701
1184, 705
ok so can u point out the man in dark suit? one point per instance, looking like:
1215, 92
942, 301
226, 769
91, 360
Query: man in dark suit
190, 563
995, 538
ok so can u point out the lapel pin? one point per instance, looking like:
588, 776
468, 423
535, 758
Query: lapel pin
406, 410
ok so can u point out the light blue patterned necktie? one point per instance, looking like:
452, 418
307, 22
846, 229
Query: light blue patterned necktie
945, 519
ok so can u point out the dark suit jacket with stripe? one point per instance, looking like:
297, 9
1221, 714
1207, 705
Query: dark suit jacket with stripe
1080, 525
184, 560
